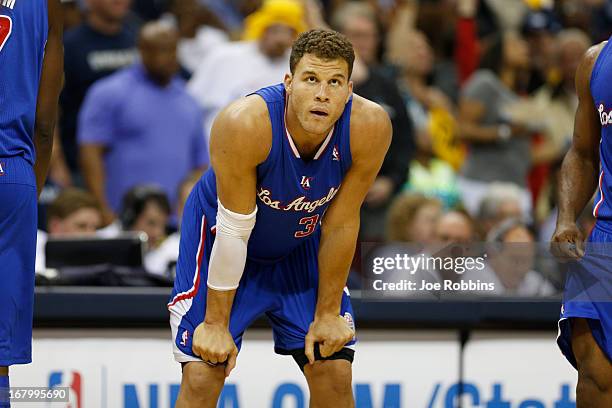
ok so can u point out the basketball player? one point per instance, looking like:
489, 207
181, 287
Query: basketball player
585, 328
291, 165
31, 66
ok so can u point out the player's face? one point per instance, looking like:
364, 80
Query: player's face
82, 222
318, 89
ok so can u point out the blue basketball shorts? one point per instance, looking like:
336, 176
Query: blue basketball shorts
18, 218
285, 292
588, 293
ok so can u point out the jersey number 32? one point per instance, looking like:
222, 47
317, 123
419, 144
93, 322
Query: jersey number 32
6, 26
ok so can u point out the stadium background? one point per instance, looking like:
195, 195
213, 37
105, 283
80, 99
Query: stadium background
481, 97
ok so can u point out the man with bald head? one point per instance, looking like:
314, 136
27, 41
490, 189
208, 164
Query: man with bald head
139, 125
157, 46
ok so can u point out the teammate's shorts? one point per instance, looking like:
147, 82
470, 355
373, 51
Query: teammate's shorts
18, 218
286, 291
588, 294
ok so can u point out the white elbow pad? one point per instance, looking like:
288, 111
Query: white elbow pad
230, 248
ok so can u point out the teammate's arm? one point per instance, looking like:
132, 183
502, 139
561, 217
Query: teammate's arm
240, 140
578, 178
48, 92
370, 138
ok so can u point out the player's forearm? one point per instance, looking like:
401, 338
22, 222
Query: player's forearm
218, 306
48, 96
43, 143
336, 252
577, 182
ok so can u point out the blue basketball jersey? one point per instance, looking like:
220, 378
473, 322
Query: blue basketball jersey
23, 35
602, 98
292, 193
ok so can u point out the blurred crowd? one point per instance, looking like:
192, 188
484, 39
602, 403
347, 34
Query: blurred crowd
480, 93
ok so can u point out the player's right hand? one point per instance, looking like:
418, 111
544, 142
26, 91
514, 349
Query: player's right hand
332, 332
567, 243
214, 344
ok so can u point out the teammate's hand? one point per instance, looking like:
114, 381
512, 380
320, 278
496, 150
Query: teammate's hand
567, 243
332, 332
214, 344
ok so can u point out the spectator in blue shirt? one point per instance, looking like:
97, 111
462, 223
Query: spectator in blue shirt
104, 43
139, 126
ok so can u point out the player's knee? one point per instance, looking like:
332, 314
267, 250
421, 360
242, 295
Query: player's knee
594, 368
591, 381
200, 378
333, 375
595, 372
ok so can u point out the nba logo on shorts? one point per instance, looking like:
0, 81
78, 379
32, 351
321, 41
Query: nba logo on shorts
72, 380
184, 338
349, 320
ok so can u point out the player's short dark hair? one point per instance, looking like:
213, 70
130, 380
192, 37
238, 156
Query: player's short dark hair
324, 44
70, 201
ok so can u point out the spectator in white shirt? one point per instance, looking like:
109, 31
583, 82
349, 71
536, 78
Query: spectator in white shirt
236, 69
199, 33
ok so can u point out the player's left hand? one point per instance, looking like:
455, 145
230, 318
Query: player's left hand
332, 332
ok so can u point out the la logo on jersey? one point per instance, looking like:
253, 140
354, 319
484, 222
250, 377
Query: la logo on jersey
306, 182
1, 169
604, 117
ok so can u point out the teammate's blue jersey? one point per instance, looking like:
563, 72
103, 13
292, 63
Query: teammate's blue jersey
292, 194
602, 97
23, 35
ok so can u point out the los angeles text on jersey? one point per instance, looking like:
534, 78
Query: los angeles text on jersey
605, 115
299, 204
8, 3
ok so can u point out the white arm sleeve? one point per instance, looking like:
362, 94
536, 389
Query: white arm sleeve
230, 248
